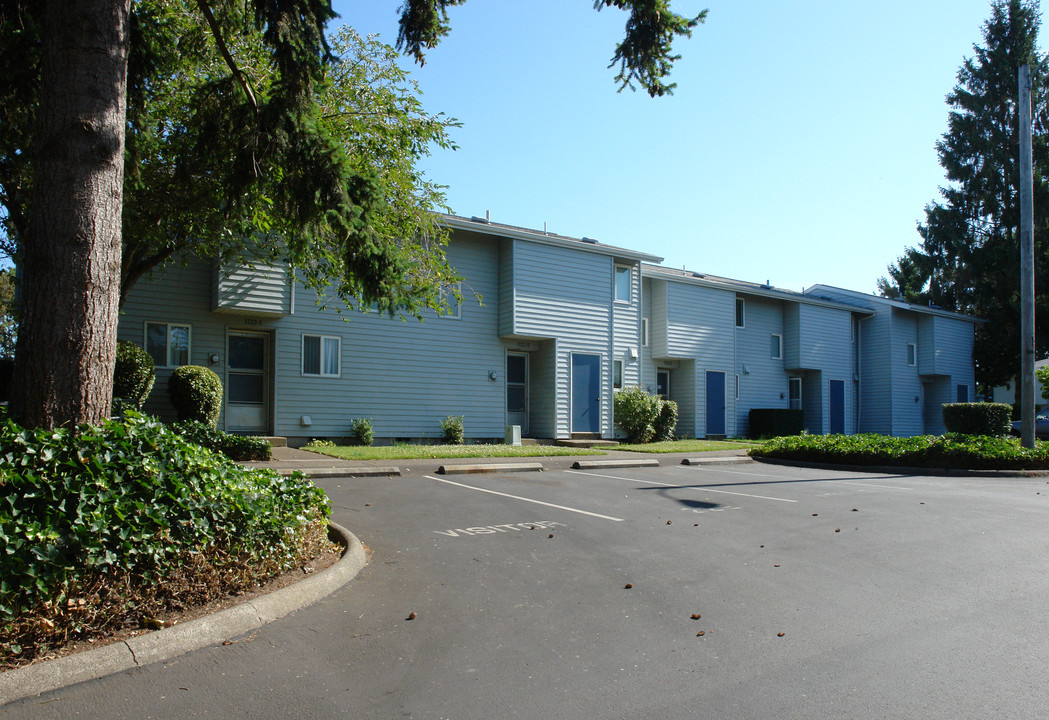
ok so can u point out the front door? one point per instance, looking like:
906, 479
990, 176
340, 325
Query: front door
715, 403
517, 390
837, 407
248, 383
663, 384
586, 393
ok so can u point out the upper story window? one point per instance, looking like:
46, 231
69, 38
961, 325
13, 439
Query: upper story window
168, 343
776, 346
450, 295
617, 374
321, 355
912, 354
644, 332
623, 289
741, 315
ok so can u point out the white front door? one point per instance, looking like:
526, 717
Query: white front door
517, 390
248, 382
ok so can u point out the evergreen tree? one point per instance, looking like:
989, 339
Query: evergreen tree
969, 258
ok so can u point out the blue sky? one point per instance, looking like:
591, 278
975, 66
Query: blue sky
798, 147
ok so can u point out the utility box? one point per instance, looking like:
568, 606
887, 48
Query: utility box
513, 434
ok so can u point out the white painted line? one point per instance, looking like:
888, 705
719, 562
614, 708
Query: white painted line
678, 485
883, 487
518, 497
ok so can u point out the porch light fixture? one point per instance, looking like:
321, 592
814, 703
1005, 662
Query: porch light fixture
491, 375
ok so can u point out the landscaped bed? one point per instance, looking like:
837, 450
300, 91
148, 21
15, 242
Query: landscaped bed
413, 452
950, 451
110, 528
678, 446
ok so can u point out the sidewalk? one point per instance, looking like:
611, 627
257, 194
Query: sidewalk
287, 460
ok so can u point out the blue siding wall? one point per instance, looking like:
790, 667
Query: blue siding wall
907, 410
762, 378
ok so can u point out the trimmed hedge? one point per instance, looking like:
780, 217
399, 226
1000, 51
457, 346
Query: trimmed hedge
235, 447
196, 393
775, 422
666, 421
104, 526
977, 418
133, 375
636, 412
951, 451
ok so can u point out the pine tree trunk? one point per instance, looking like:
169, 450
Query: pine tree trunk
70, 279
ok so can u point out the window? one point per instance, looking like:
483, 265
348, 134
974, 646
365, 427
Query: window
740, 313
617, 374
776, 346
963, 393
450, 295
644, 332
168, 344
795, 393
320, 355
623, 290
737, 387
912, 354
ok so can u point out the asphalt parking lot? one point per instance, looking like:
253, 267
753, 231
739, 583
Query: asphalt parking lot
818, 594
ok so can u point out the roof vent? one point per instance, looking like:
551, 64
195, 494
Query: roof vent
699, 275
484, 220
589, 240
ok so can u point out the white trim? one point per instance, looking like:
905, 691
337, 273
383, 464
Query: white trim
912, 355
167, 342
801, 393
644, 332
320, 357
779, 355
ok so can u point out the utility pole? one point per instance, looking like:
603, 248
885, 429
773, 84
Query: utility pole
1026, 265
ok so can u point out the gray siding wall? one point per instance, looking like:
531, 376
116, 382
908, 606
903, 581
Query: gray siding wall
543, 403
181, 293
826, 335
762, 378
626, 331
245, 289
876, 387
684, 390
907, 408
506, 287
700, 323
405, 375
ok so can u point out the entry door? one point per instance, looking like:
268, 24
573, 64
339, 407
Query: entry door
663, 384
715, 403
837, 407
517, 390
248, 383
586, 393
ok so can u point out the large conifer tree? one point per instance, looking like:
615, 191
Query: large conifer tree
968, 260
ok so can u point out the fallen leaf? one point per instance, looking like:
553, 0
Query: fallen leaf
837, 529
628, 586
855, 510
762, 546
695, 616
412, 615
780, 634
532, 528
550, 535
701, 633
227, 642
815, 514
669, 522
775, 566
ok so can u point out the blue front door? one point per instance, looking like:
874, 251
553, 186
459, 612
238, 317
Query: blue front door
586, 393
715, 403
837, 407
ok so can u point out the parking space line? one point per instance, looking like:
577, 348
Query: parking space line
518, 497
679, 485
765, 475
883, 487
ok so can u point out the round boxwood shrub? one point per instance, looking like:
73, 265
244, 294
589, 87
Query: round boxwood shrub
636, 412
133, 375
196, 393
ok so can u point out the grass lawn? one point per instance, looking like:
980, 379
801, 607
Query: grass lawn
413, 452
676, 446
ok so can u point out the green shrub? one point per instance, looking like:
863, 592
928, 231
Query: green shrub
362, 432
104, 524
133, 375
196, 393
775, 422
666, 421
636, 412
452, 432
972, 452
977, 418
235, 447
319, 443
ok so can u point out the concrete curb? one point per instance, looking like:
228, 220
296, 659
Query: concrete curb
180, 639
344, 472
901, 470
716, 460
476, 468
606, 464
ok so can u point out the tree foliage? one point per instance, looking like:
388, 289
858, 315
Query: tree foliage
645, 56
968, 260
